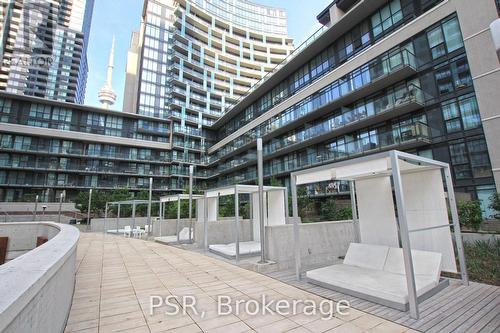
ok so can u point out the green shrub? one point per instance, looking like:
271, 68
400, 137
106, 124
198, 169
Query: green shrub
483, 261
331, 212
470, 215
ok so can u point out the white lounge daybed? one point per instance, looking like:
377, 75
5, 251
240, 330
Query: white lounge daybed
183, 237
376, 273
250, 248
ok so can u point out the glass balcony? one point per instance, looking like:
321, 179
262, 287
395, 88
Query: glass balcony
353, 86
413, 134
401, 99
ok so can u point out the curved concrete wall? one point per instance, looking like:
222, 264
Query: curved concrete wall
37, 287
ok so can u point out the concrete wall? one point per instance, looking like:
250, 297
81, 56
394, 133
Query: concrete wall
37, 288
29, 218
321, 243
472, 237
220, 232
29, 207
223, 232
110, 223
22, 238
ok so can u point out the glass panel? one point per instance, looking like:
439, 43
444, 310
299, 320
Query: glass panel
452, 35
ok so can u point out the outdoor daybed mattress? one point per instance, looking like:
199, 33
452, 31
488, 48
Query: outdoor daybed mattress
229, 250
376, 273
183, 237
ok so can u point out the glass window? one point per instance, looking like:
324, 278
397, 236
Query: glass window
479, 158
452, 35
436, 42
469, 111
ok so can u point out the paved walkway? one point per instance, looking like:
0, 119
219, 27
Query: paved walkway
116, 277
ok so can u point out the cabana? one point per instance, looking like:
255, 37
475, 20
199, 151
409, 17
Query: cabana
275, 213
181, 235
119, 204
401, 248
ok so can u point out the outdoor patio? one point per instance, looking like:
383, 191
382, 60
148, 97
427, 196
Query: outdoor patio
457, 308
116, 277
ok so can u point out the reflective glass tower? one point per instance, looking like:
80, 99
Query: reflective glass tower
193, 60
43, 49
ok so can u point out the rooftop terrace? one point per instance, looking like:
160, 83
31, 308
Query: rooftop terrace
116, 277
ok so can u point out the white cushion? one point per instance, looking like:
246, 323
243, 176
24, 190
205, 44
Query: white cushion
184, 234
246, 248
424, 263
365, 281
367, 256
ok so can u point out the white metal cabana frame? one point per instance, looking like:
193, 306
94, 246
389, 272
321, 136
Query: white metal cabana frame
391, 164
134, 204
277, 212
178, 198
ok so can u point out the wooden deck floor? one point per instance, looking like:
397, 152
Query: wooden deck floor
457, 308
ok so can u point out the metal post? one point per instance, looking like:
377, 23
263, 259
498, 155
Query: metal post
88, 211
60, 207
237, 223
357, 233
260, 172
205, 224
404, 236
161, 215
133, 215
191, 171
456, 227
118, 218
105, 218
178, 217
150, 224
36, 208
296, 233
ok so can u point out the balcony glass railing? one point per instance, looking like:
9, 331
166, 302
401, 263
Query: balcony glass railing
354, 81
383, 141
394, 99
399, 136
30, 148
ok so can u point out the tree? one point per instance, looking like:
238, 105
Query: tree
469, 214
331, 212
495, 204
304, 202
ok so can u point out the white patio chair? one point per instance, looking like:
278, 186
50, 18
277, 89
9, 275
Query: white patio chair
138, 232
127, 231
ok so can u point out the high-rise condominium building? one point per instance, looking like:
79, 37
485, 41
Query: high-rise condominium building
192, 60
415, 75
43, 48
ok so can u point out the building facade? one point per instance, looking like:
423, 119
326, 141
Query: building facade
420, 76
43, 49
47, 147
414, 75
192, 60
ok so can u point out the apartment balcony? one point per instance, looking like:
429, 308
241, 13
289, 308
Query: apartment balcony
411, 136
367, 80
398, 102
237, 163
83, 169
388, 70
80, 153
408, 137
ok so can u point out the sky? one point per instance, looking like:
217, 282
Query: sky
120, 18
